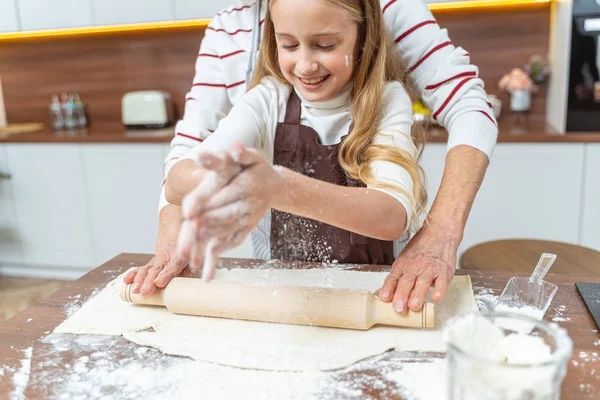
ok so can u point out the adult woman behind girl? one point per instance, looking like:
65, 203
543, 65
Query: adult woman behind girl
346, 124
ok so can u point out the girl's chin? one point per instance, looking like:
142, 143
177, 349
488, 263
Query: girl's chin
315, 97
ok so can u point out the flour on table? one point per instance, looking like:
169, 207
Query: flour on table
266, 346
21, 376
109, 367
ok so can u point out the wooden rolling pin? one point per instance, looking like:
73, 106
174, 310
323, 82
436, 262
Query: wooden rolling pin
337, 308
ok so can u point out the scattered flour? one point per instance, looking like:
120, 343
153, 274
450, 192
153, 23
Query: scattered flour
533, 312
421, 380
486, 300
588, 356
558, 316
21, 376
110, 367
76, 303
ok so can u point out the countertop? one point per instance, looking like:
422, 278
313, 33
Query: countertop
97, 133
38, 368
510, 131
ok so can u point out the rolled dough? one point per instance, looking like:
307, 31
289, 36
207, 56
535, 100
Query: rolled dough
260, 345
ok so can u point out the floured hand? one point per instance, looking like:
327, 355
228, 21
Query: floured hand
229, 214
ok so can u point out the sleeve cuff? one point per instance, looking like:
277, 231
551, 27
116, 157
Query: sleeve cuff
473, 129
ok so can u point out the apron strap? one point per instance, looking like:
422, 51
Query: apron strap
293, 110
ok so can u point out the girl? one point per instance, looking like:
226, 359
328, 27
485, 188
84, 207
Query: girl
328, 112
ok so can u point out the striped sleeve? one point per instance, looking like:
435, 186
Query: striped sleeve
206, 103
447, 82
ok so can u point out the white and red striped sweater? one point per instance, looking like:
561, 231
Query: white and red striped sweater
447, 82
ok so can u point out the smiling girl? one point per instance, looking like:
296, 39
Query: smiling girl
328, 111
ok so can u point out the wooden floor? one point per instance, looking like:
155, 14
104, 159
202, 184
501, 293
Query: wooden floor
16, 294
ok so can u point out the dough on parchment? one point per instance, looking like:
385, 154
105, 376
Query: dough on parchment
267, 346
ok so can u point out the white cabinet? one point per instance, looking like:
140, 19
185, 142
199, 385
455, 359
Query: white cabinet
123, 185
10, 242
109, 12
194, 9
530, 191
40, 14
9, 21
50, 205
590, 212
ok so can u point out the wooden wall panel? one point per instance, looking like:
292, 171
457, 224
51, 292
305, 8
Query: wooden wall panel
103, 67
100, 68
498, 41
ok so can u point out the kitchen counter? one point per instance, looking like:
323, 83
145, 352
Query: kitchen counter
97, 133
35, 367
509, 132
524, 132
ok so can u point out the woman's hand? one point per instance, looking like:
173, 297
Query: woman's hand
166, 263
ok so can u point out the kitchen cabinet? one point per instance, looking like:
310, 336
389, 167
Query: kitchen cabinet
51, 208
530, 191
9, 22
42, 14
122, 190
192, 9
69, 207
590, 210
112, 12
10, 243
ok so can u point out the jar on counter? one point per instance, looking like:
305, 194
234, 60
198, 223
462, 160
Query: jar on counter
487, 359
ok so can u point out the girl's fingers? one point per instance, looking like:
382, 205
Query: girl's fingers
232, 214
235, 191
211, 160
222, 163
211, 259
187, 237
195, 258
246, 156
194, 202
233, 240
218, 245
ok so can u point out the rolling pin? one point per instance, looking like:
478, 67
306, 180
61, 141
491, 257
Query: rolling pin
337, 308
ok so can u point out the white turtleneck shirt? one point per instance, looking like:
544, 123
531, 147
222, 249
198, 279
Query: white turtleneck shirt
253, 122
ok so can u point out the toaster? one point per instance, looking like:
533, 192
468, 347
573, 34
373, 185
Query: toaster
147, 109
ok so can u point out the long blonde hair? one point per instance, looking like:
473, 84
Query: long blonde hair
377, 64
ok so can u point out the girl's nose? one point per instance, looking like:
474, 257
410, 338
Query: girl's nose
306, 65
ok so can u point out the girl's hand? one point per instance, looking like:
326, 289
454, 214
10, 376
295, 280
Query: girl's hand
229, 214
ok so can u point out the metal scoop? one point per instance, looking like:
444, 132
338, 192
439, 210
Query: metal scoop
529, 296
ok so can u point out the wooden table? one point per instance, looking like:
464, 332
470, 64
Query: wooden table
28, 329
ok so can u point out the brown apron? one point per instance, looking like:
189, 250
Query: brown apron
298, 238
